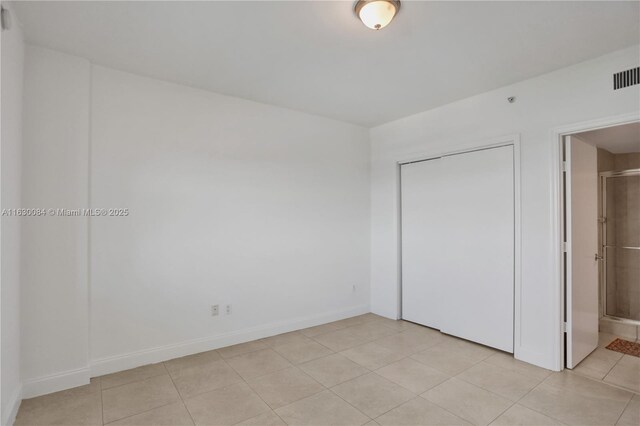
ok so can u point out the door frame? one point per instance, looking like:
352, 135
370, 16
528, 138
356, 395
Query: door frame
464, 147
558, 209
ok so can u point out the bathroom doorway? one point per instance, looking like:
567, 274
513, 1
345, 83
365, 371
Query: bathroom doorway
601, 186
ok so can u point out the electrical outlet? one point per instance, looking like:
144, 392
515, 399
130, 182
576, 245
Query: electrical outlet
214, 310
228, 309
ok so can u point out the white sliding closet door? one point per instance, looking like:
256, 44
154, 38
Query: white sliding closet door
458, 245
422, 195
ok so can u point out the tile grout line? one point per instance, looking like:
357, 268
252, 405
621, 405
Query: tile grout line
370, 371
513, 402
397, 332
179, 394
142, 412
374, 371
101, 402
533, 409
150, 409
257, 394
613, 385
330, 389
347, 402
138, 380
612, 367
579, 375
623, 411
479, 387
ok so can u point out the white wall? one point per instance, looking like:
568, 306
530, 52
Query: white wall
579, 93
10, 155
55, 317
230, 201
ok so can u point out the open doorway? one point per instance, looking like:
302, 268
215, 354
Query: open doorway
601, 186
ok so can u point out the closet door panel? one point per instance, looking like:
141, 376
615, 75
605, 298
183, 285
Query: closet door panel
423, 275
479, 226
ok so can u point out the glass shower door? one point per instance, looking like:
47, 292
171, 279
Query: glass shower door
621, 244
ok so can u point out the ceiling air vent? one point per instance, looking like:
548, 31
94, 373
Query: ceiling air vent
626, 78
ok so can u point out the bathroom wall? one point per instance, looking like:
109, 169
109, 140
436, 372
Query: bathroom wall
627, 161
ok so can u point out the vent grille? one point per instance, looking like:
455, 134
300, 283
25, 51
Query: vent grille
626, 78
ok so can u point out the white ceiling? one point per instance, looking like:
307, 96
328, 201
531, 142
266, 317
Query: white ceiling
315, 56
618, 140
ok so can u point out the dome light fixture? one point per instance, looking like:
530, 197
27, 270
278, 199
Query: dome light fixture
376, 14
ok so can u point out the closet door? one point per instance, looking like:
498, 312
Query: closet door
458, 245
423, 275
480, 247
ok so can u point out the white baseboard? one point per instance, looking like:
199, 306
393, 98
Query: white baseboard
10, 412
55, 382
117, 363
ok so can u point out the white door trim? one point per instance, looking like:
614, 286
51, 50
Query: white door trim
469, 146
557, 231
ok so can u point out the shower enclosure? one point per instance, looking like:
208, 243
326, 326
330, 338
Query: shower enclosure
620, 244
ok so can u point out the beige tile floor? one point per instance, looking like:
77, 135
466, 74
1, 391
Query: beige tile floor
362, 370
611, 367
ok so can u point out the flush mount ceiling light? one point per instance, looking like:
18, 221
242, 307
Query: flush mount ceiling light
376, 14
